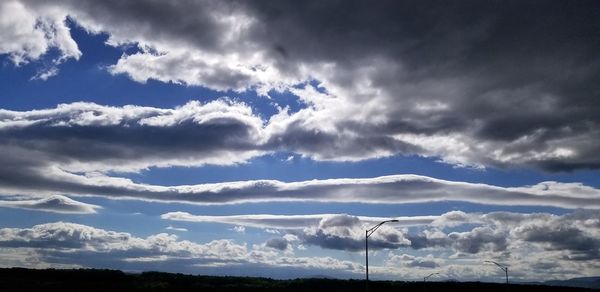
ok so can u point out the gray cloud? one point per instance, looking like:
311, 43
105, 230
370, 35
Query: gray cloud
22, 174
426, 262
36, 160
509, 83
278, 243
577, 233
130, 138
429, 239
478, 239
573, 234
55, 203
346, 232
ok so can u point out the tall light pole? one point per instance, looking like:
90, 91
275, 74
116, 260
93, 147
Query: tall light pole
427, 277
368, 233
502, 267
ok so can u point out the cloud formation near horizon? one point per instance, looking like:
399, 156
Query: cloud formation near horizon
524, 241
80, 245
574, 234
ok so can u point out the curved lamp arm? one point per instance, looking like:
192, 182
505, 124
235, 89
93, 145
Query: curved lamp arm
372, 229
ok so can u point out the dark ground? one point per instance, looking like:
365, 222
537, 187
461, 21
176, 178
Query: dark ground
88, 280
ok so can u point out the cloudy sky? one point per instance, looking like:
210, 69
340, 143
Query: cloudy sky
262, 138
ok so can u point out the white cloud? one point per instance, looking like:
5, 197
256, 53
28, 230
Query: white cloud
239, 229
60, 244
54, 203
28, 170
530, 240
35, 159
269, 230
180, 229
27, 34
336, 231
45, 74
492, 233
270, 222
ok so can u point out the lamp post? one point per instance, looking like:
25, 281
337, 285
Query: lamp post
368, 233
427, 277
502, 267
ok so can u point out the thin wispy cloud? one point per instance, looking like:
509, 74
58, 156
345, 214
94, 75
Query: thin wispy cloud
396, 189
54, 203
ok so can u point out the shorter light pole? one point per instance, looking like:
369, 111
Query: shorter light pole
368, 233
502, 267
427, 277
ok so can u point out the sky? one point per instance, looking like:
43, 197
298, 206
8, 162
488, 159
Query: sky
262, 138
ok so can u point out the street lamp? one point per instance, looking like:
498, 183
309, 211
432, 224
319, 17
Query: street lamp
502, 267
368, 233
427, 277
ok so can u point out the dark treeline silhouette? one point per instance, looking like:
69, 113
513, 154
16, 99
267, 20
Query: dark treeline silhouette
87, 280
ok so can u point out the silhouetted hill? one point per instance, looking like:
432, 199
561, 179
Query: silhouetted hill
588, 282
88, 280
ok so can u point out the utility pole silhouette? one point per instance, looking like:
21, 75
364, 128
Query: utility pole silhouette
502, 267
368, 233
427, 277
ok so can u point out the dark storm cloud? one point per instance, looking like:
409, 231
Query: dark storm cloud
526, 72
165, 21
521, 75
497, 83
